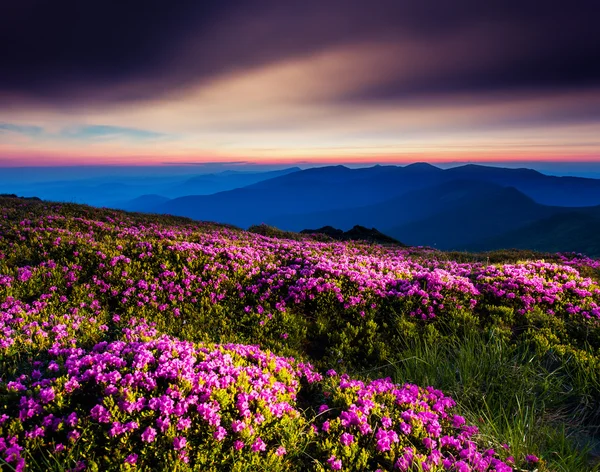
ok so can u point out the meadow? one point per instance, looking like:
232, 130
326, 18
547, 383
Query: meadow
146, 342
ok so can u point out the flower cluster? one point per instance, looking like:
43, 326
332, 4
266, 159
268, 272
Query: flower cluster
403, 427
163, 401
141, 398
557, 288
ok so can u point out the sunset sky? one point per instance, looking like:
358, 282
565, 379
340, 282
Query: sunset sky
284, 81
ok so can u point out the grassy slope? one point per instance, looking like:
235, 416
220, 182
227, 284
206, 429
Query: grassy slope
516, 393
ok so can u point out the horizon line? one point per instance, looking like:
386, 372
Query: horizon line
299, 163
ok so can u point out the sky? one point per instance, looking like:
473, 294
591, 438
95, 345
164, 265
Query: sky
158, 82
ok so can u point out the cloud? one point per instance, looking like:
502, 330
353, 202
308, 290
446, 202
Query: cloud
21, 129
75, 135
70, 52
104, 132
226, 80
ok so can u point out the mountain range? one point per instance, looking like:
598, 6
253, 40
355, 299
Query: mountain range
470, 207
134, 189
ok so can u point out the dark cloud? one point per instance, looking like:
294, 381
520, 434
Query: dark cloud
101, 50
521, 51
46, 47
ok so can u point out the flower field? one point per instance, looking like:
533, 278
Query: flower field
140, 342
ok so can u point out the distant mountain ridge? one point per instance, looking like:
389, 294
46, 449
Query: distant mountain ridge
545, 189
418, 204
207, 184
462, 208
131, 192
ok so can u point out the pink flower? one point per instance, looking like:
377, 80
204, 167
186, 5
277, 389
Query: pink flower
149, 434
238, 445
335, 464
220, 433
457, 421
280, 451
179, 443
47, 395
346, 439
258, 445
386, 421
238, 426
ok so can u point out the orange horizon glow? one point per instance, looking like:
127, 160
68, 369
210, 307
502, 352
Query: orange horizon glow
159, 161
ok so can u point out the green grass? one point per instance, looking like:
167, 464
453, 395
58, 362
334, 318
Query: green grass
509, 392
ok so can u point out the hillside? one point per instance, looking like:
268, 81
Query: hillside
572, 231
356, 233
410, 208
144, 203
161, 343
473, 218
